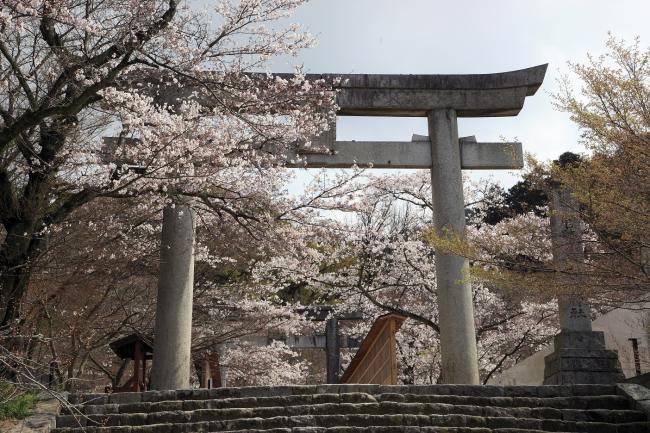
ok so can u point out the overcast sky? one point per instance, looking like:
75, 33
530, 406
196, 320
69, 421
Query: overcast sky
468, 36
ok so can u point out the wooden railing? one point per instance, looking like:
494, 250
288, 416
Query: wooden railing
376, 360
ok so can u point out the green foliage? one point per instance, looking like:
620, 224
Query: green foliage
14, 403
521, 198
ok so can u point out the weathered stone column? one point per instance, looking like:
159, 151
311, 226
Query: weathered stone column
456, 311
173, 329
568, 254
579, 354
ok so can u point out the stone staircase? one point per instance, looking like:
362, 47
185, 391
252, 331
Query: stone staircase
359, 408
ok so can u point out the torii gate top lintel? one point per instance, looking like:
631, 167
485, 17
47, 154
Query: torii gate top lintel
470, 95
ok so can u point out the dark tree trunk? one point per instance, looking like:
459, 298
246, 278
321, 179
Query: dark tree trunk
14, 278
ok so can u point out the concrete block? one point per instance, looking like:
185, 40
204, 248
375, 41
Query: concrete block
634, 391
581, 358
100, 409
581, 377
183, 394
555, 425
168, 405
580, 340
520, 391
75, 398
136, 407
589, 389
326, 398
594, 364
596, 427
643, 406
223, 393
70, 421
303, 389
200, 394
104, 420
154, 428
125, 397
154, 396
392, 397
549, 391
489, 391
40, 422
134, 419
94, 398
328, 389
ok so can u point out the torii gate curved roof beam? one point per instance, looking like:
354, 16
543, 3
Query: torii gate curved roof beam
471, 95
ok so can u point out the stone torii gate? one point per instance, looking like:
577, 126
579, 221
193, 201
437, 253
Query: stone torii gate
441, 99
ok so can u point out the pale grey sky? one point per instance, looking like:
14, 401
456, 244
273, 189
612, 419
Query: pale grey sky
467, 36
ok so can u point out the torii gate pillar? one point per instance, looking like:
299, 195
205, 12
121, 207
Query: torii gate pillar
173, 339
455, 307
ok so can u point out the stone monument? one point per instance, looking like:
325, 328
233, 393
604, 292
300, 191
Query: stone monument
580, 355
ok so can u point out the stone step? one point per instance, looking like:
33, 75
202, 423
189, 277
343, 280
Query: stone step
406, 429
283, 391
362, 408
365, 420
584, 402
385, 407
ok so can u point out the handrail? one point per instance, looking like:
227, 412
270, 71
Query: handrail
376, 360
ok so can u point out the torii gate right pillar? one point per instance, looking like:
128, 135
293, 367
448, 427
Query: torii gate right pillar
456, 310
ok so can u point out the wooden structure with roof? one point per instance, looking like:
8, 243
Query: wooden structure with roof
138, 348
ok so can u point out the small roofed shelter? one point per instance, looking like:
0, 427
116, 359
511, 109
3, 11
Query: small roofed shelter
376, 360
137, 348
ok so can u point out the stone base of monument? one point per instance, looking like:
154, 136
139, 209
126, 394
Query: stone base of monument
580, 357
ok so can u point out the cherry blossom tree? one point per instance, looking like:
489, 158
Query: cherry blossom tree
73, 72
378, 260
272, 365
96, 281
607, 98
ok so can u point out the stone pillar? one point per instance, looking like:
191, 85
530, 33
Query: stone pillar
173, 329
456, 310
568, 254
333, 350
579, 354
